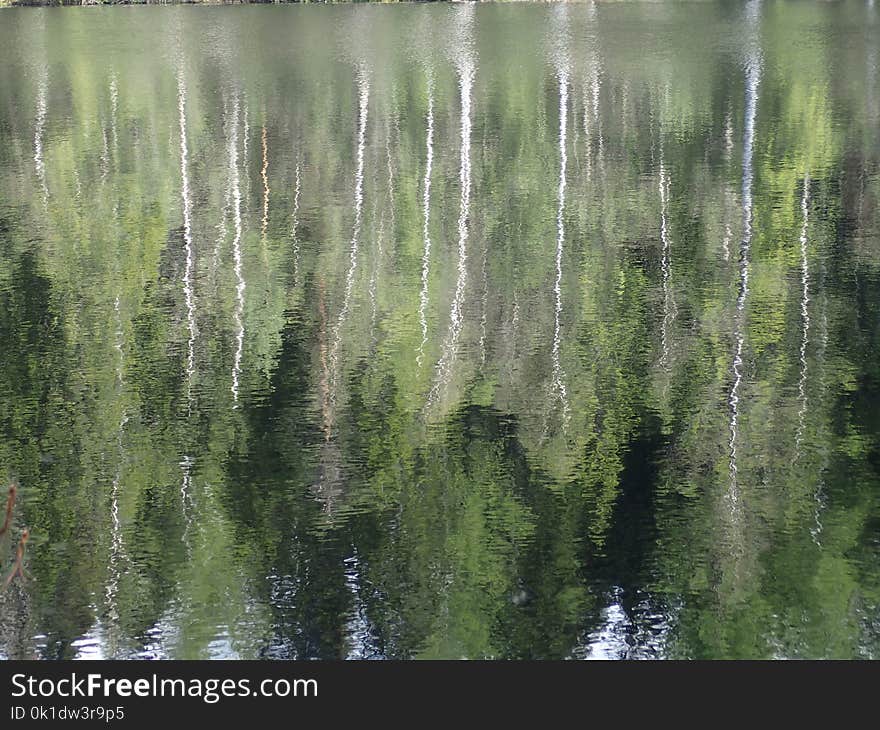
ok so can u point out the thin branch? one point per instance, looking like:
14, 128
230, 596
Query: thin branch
18, 568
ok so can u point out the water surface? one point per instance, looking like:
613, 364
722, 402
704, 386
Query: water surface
530, 331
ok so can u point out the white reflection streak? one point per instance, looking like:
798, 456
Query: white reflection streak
120, 363
188, 291
466, 73
186, 465
264, 176
357, 629
818, 495
594, 88
363, 108
389, 158
484, 305
587, 137
467, 80
514, 317
752, 81
117, 548
39, 131
426, 219
295, 225
114, 108
805, 314
669, 308
558, 373
728, 148
592, 97
245, 161
105, 153
238, 312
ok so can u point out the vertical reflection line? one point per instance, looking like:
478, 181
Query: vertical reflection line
669, 308
245, 159
117, 552
114, 133
378, 230
264, 175
819, 495
728, 148
363, 83
753, 72
467, 79
575, 131
295, 225
188, 291
426, 218
558, 372
114, 109
117, 547
664, 261
39, 131
466, 72
597, 119
592, 99
105, 153
484, 304
805, 315
186, 465
393, 126
238, 312
588, 143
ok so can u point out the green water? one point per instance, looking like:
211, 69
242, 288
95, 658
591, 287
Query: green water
515, 331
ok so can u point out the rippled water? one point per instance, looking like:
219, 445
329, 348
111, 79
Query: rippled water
441, 331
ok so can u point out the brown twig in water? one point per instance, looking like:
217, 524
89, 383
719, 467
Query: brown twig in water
10, 506
18, 568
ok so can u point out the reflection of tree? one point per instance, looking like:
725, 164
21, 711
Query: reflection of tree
512, 248
465, 66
